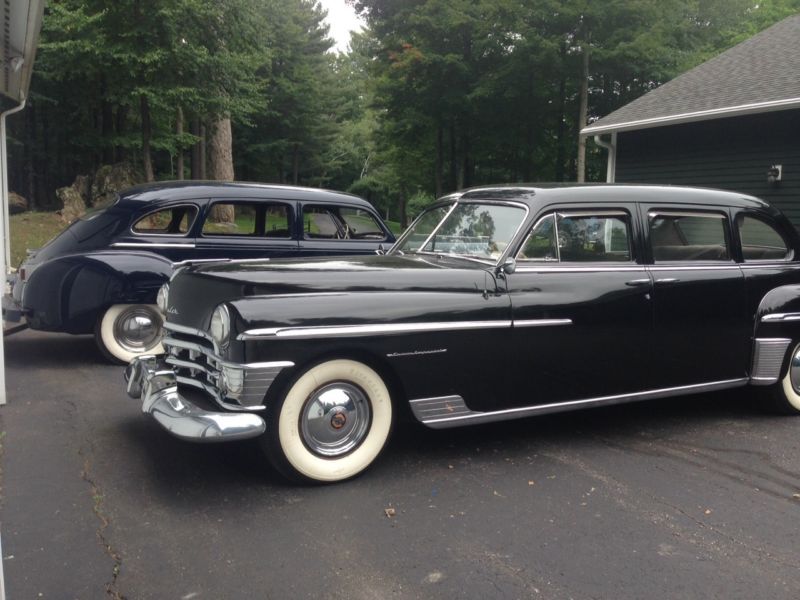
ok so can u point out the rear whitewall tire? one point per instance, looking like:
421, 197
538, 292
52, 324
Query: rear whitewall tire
113, 344
289, 445
787, 399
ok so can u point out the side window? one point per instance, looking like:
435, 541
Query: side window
541, 242
361, 225
573, 237
688, 237
320, 222
760, 241
176, 220
248, 219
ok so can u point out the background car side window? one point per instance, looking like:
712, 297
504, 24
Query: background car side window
320, 222
176, 220
760, 241
247, 219
361, 224
688, 237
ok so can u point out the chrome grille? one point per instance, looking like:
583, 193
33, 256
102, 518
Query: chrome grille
197, 363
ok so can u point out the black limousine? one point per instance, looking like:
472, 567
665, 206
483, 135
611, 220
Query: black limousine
497, 303
101, 274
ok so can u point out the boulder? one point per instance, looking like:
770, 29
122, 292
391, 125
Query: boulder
16, 203
73, 203
109, 180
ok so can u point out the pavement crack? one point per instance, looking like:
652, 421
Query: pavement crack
98, 509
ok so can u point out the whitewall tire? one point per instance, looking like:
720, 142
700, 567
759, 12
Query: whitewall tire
785, 396
126, 331
332, 423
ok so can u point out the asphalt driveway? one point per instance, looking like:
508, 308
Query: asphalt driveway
697, 497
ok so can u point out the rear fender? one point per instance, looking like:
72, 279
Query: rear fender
69, 293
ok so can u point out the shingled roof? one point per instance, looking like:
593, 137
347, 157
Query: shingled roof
758, 75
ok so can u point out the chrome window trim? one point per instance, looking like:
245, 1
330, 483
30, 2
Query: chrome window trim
683, 266
167, 235
677, 213
153, 245
547, 268
458, 414
367, 329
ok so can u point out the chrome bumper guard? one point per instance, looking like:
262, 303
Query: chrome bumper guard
152, 381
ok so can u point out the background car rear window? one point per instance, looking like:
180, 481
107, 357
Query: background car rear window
760, 241
688, 237
579, 238
248, 219
176, 220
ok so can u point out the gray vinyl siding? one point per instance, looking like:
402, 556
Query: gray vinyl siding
730, 154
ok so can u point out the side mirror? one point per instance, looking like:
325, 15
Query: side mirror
509, 265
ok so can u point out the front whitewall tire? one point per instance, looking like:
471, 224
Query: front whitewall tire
291, 447
114, 345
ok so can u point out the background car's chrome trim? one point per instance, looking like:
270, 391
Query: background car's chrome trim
451, 411
541, 322
768, 354
371, 329
684, 267
146, 245
775, 317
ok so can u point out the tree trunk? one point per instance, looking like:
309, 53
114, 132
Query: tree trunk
402, 208
220, 150
439, 159
561, 154
453, 175
179, 133
194, 159
584, 109
147, 133
121, 119
295, 163
203, 162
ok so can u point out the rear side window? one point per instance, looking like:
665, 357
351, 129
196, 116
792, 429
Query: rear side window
688, 237
340, 223
760, 240
176, 220
248, 219
573, 237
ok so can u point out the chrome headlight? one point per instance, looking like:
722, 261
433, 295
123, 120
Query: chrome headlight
220, 329
161, 299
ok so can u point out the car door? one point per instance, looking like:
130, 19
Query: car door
701, 332
581, 306
241, 229
339, 229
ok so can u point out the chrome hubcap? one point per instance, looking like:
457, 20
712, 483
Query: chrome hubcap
335, 419
794, 370
136, 329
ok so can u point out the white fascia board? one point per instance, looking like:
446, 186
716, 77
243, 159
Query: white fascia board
690, 117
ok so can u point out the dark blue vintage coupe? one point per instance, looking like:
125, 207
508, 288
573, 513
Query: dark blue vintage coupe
103, 272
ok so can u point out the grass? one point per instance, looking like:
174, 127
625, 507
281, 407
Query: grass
32, 230
394, 227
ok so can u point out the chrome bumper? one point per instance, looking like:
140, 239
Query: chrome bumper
150, 380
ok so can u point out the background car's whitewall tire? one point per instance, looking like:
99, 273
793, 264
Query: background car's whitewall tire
125, 331
332, 423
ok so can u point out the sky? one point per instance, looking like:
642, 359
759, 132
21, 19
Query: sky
342, 19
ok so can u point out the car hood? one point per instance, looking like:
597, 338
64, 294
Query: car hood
196, 290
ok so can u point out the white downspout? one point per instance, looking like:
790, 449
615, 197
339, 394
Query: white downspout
611, 170
5, 255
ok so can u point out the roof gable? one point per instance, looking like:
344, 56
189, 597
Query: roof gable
757, 75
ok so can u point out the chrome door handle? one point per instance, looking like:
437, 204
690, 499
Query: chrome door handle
667, 280
638, 282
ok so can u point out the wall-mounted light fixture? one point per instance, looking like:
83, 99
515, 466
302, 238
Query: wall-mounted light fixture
774, 174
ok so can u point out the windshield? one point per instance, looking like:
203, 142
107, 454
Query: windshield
472, 230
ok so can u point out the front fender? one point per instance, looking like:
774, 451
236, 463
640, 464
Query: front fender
69, 293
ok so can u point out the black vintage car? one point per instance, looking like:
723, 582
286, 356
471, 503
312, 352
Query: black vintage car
497, 303
103, 272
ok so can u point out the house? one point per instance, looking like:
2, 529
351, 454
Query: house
732, 122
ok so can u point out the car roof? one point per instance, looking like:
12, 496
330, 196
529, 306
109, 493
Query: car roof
195, 190
535, 194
